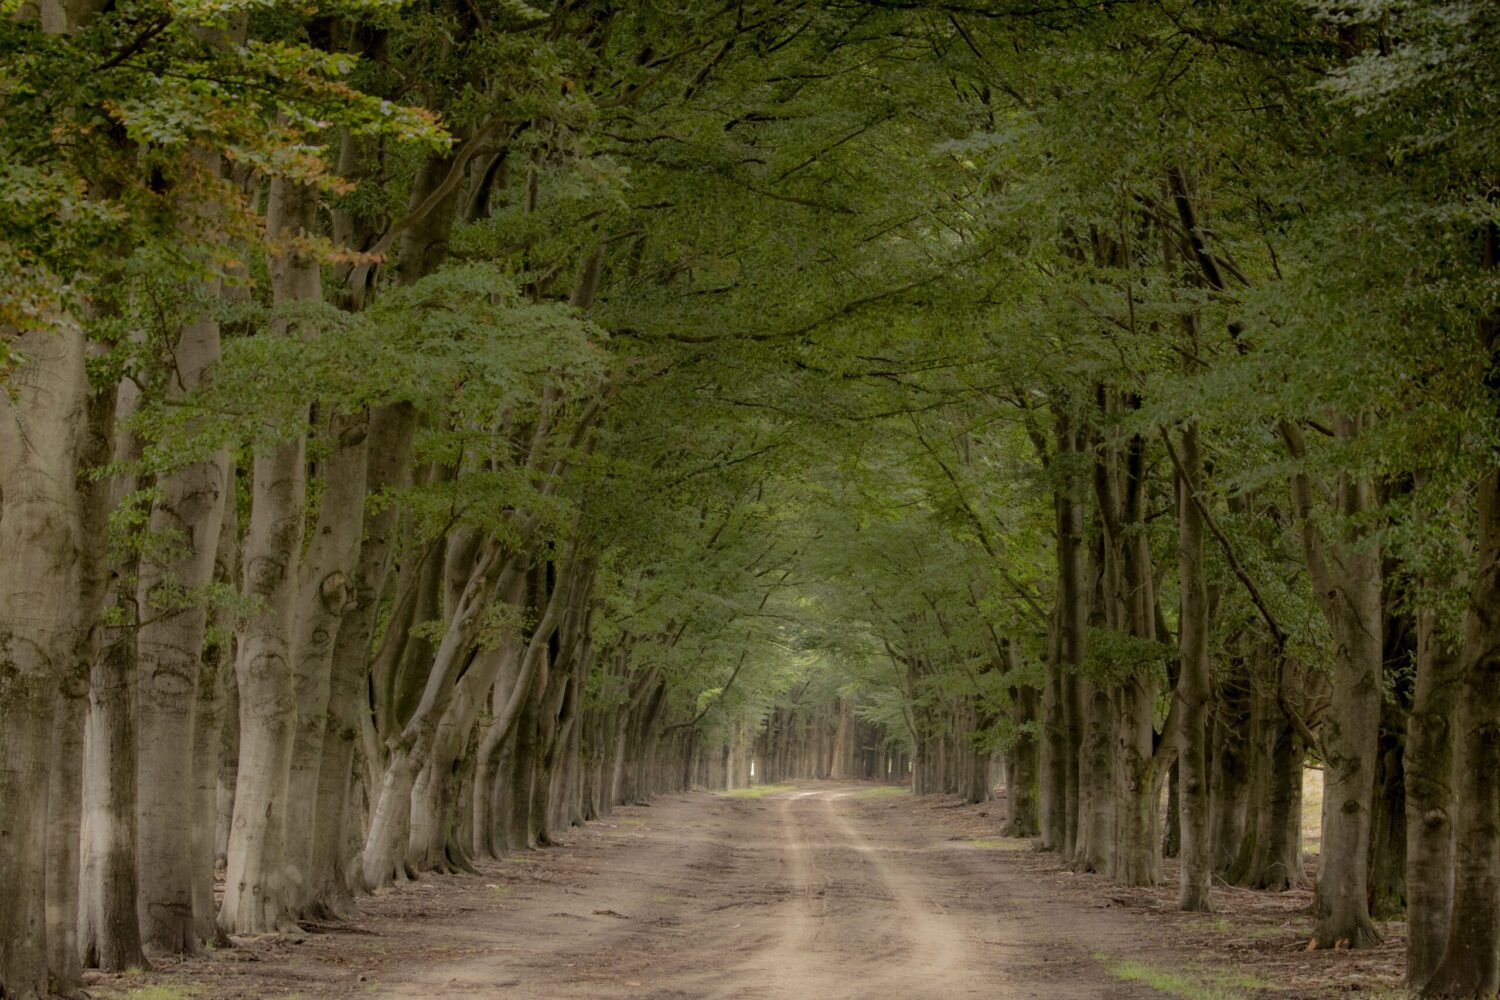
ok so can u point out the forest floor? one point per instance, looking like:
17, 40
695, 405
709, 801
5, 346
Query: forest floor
819, 890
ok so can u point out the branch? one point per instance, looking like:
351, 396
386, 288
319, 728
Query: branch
1227, 546
467, 152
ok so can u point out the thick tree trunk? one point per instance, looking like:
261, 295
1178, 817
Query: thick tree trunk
1471, 961
1138, 777
255, 891
229, 761
187, 519
1230, 780
1065, 651
109, 934
1275, 848
325, 576
64, 822
1127, 588
457, 650
1430, 801
42, 418
1347, 577
97, 499
208, 721
388, 459
1096, 801
1024, 817
519, 772
432, 800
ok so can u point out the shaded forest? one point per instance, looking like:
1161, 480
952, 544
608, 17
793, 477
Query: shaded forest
428, 426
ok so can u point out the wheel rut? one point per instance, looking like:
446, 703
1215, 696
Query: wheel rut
805, 894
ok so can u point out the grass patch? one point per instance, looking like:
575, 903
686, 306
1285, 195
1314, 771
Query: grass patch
757, 791
1187, 984
885, 792
1000, 843
1253, 932
159, 993
1219, 925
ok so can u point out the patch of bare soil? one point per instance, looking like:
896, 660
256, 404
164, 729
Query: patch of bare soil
832, 890
1263, 935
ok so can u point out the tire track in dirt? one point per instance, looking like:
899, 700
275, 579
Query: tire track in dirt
816, 894
797, 896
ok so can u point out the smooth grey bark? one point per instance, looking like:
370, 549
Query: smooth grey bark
1273, 860
65, 785
255, 892
487, 765
42, 419
327, 566
185, 521
170, 643
388, 468
109, 928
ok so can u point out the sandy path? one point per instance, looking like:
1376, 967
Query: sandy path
801, 895
828, 891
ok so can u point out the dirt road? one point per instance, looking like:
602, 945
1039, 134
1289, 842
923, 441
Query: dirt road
806, 894
823, 892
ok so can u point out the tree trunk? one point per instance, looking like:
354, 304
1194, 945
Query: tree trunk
1275, 851
388, 459
169, 646
1229, 783
1388, 820
325, 575
215, 684
1096, 803
1430, 803
1192, 682
1023, 817
97, 499
255, 890
1471, 960
1347, 578
109, 935
42, 417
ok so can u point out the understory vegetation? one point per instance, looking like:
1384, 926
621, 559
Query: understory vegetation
426, 426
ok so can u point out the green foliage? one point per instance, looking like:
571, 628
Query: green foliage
853, 265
